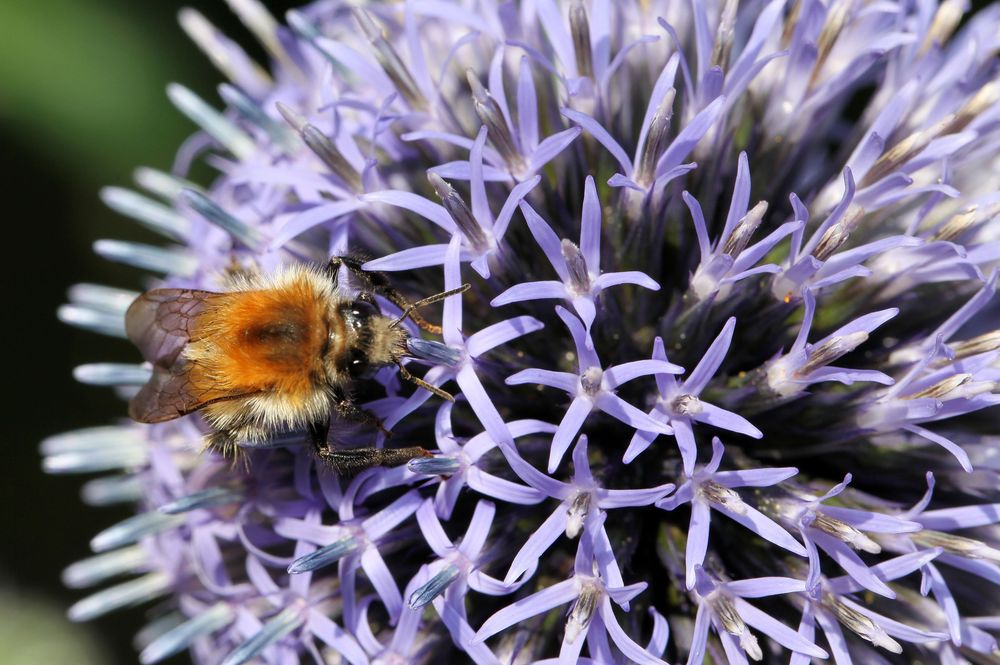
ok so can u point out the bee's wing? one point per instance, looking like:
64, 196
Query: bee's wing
160, 323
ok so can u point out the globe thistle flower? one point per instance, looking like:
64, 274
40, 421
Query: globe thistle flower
740, 257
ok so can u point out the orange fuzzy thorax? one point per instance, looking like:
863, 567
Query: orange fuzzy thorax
262, 341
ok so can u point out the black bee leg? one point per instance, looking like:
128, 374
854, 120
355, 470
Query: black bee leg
378, 282
348, 410
318, 435
224, 443
353, 460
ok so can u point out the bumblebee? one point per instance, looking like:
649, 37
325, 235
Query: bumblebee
275, 353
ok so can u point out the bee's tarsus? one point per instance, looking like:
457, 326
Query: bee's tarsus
405, 373
409, 310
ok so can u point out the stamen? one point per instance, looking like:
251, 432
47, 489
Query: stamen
967, 548
579, 28
583, 612
325, 555
246, 234
822, 356
686, 405
221, 51
836, 18
128, 594
322, 147
216, 125
957, 225
97, 569
434, 587
577, 514
434, 466
724, 34
112, 490
435, 352
207, 498
838, 234
182, 636
496, 126
744, 230
133, 529
946, 19
733, 624
845, 532
656, 140
254, 114
861, 625
151, 214
720, 495
286, 621
460, 212
982, 344
390, 61
941, 388
591, 380
577, 266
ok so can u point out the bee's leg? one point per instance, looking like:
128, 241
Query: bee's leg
378, 282
353, 460
318, 435
348, 410
224, 443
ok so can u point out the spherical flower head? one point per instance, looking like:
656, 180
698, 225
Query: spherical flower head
697, 258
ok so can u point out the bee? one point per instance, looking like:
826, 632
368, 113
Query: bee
275, 353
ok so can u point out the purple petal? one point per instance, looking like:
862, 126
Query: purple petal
408, 259
741, 197
631, 650
626, 372
550, 148
483, 406
697, 539
727, 420
615, 406
700, 228
586, 355
381, 579
501, 333
590, 227
562, 380
546, 239
502, 489
610, 499
764, 527
414, 203
609, 279
477, 187
582, 476
710, 362
527, 106
602, 136
689, 137
754, 477
640, 441
759, 587
515, 197
525, 608
311, 218
699, 637
530, 291
851, 563
479, 529
948, 519
570, 425
432, 530
777, 631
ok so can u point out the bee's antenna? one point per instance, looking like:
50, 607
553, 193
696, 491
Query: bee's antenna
436, 330
405, 373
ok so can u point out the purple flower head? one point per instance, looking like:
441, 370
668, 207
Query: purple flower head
836, 310
578, 266
679, 406
593, 387
710, 489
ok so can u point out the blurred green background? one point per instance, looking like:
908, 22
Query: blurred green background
82, 103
